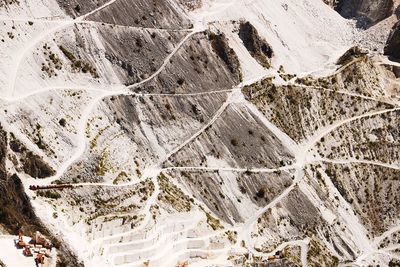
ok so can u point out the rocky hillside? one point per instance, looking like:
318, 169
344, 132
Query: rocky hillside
366, 12
221, 133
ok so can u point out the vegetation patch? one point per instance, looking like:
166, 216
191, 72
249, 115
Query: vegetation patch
213, 222
173, 195
79, 65
49, 194
53, 62
318, 256
103, 165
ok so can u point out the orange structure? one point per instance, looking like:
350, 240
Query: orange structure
52, 186
40, 258
21, 242
27, 251
183, 264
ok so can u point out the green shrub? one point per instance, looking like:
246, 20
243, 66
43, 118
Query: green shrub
49, 194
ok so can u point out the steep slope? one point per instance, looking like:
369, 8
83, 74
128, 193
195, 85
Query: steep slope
221, 133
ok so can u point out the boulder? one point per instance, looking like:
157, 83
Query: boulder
392, 47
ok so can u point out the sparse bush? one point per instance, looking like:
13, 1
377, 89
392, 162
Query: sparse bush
234, 142
62, 122
77, 8
180, 81
49, 194
261, 192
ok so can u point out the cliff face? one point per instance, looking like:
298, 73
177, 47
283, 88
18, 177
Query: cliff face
392, 48
16, 211
366, 12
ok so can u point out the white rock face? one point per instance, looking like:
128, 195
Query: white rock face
178, 139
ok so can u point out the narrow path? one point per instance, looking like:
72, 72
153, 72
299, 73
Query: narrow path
246, 229
167, 59
199, 132
96, 10
343, 93
302, 243
313, 140
81, 146
301, 152
112, 88
92, 22
120, 89
357, 161
85, 116
388, 233
229, 169
156, 172
21, 54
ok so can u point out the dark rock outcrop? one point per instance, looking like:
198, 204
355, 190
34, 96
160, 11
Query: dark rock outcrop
36, 167
257, 47
16, 212
397, 12
31, 164
392, 48
366, 12
220, 45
